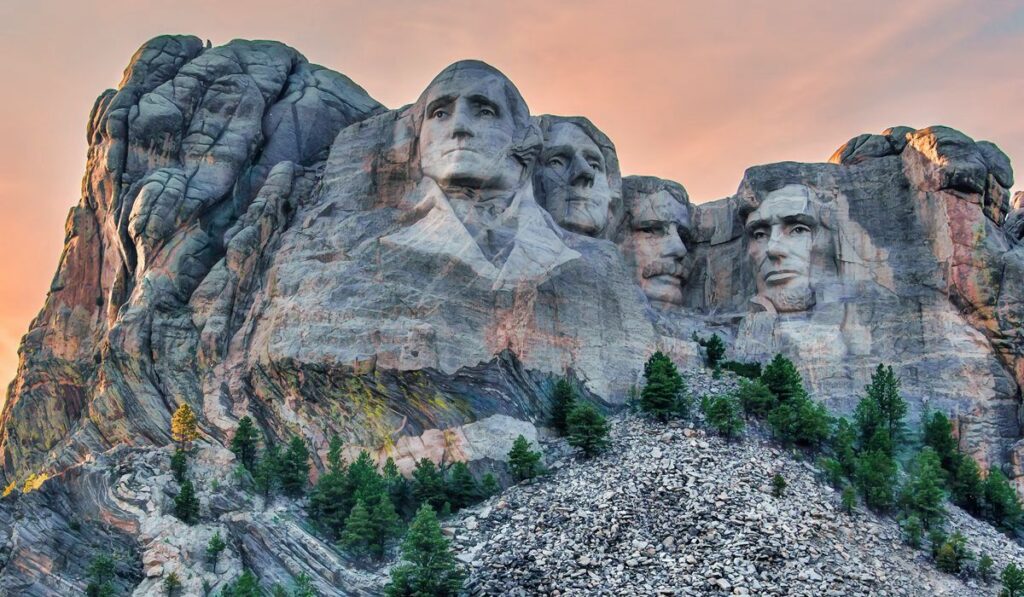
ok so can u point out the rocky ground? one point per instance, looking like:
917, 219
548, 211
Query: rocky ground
671, 510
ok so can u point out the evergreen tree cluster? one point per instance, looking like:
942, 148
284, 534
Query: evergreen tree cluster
990, 497
714, 348
779, 397
363, 508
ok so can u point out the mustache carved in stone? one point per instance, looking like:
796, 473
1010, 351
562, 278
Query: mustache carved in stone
664, 267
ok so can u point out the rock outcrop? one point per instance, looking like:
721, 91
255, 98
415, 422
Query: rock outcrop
257, 236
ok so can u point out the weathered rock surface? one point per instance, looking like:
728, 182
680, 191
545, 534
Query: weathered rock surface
257, 236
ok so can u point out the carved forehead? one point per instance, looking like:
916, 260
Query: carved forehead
791, 201
661, 206
475, 77
567, 133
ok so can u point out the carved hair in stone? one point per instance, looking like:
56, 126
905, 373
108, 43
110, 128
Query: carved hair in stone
790, 245
654, 234
474, 132
577, 178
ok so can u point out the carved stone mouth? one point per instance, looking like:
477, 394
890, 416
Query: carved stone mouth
780, 276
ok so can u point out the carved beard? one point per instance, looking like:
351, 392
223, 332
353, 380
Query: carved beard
795, 297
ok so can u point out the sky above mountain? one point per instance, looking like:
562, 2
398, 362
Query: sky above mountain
693, 93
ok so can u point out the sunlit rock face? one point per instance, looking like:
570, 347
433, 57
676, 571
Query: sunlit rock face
894, 253
257, 236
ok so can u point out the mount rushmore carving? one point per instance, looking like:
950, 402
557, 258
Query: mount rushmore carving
258, 236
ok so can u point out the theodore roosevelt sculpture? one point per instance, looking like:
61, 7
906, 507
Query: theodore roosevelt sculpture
476, 150
577, 178
658, 220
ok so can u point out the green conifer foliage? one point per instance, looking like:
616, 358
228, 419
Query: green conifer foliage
179, 465
1013, 581
267, 475
489, 485
715, 350
663, 394
214, 548
938, 434
428, 567
294, 471
101, 574
523, 462
1001, 503
186, 504
876, 478
359, 536
844, 441
428, 484
723, 415
922, 495
245, 585
245, 443
782, 378
562, 402
967, 487
800, 420
587, 429
462, 488
755, 397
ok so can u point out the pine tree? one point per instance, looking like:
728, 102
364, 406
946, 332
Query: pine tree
386, 523
245, 585
399, 489
870, 427
755, 397
330, 503
428, 566
938, 434
179, 465
359, 536
294, 472
186, 504
172, 584
101, 574
778, 485
800, 420
715, 349
663, 392
953, 554
214, 549
876, 478
1013, 581
363, 479
782, 378
1001, 503
849, 499
967, 488
985, 568
335, 460
844, 440
524, 463
461, 488
912, 531
428, 484
885, 409
184, 427
489, 485
267, 475
561, 403
304, 587
723, 414
922, 494
587, 429
245, 443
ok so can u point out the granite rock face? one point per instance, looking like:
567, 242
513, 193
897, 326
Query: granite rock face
257, 236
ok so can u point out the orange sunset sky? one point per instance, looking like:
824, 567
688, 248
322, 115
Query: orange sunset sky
694, 92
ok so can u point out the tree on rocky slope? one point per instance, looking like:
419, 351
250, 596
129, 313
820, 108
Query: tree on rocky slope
186, 503
876, 479
267, 476
562, 401
101, 574
880, 413
1013, 581
428, 484
922, 493
723, 414
587, 429
461, 487
246, 585
1002, 506
428, 567
938, 434
756, 398
524, 463
295, 467
184, 427
245, 443
663, 394
214, 548
782, 378
800, 420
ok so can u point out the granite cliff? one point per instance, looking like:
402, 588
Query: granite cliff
257, 236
